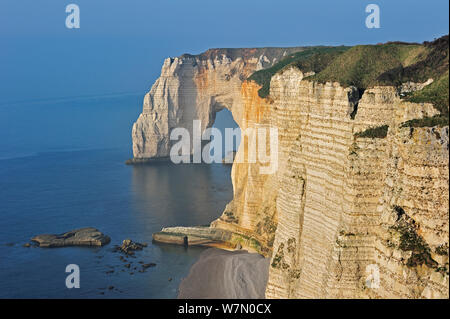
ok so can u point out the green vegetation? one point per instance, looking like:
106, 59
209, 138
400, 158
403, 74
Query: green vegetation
354, 148
434, 65
410, 240
392, 63
431, 61
374, 132
442, 250
365, 66
255, 244
267, 228
278, 259
295, 273
443, 270
312, 59
437, 120
231, 218
436, 93
247, 241
344, 233
270, 241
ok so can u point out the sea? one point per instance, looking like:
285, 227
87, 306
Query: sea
62, 167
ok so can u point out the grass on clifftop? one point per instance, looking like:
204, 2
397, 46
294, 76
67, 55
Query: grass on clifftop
436, 93
392, 64
365, 66
313, 59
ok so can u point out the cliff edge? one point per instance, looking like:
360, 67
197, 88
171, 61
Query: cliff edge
359, 205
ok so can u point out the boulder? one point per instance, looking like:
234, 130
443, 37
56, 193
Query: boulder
88, 236
129, 247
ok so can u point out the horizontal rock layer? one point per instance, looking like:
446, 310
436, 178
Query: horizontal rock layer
329, 216
196, 87
193, 236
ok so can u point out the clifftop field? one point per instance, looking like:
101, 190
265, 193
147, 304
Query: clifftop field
365, 66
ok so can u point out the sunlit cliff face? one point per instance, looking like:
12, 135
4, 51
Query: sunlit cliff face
329, 216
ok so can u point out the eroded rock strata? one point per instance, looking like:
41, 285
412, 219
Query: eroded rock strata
341, 208
196, 87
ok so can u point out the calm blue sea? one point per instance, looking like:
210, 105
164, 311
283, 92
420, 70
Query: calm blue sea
62, 167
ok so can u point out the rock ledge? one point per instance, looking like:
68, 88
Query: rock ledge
88, 236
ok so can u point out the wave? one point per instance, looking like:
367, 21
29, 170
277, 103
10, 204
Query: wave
17, 156
13, 156
69, 98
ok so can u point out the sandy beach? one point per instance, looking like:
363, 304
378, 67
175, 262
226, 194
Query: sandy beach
226, 274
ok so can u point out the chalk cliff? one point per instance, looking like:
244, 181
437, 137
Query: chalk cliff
344, 216
196, 87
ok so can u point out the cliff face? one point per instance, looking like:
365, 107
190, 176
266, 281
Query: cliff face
196, 87
343, 216
339, 196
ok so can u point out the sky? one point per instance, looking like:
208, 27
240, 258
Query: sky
120, 45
